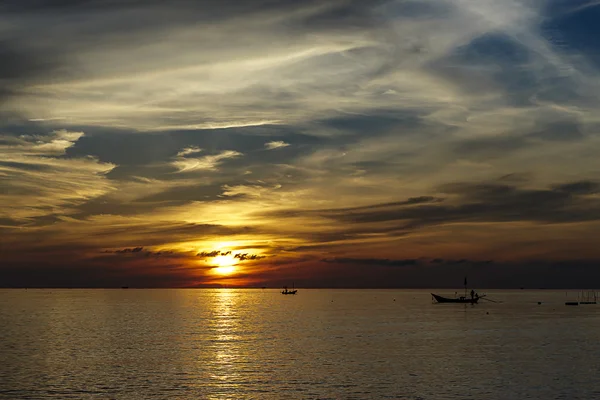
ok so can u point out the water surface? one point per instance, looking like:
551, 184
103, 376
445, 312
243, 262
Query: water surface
318, 344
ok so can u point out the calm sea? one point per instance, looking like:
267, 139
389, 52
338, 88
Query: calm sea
318, 344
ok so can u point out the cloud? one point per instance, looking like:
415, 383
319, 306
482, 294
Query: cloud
209, 162
372, 261
276, 145
188, 150
212, 254
239, 256
129, 250
39, 181
465, 203
53, 144
246, 256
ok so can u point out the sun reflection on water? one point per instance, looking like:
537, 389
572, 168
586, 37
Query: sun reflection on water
226, 346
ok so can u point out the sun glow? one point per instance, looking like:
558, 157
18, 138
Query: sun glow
224, 270
225, 264
224, 261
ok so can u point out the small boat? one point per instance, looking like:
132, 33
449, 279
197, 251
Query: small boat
286, 291
588, 297
461, 299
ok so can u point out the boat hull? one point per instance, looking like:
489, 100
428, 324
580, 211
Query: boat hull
463, 300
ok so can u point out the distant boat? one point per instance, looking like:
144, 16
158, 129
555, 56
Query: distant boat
461, 299
584, 297
286, 291
589, 297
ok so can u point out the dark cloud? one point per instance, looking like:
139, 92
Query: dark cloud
350, 14
246, 256
416, 9
131, 148
139, 251
211, 254
211, 7
560, 131
239, 256
105, 205
129, 250
375, 122
515, 178
448, 274
579, 188
23, 65
492, 62
484, 202
345, 272
352, 210
184, 194
405, 262
372, 261
492, 147
95, 274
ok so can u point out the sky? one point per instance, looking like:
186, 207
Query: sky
329, 143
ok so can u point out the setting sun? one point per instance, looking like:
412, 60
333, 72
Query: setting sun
225, 264
224, 270
225, 260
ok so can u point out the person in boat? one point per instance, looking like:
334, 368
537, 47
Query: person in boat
473, 294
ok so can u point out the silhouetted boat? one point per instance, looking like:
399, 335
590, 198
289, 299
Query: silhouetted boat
286, 291
584, 297
588, 297
461, 299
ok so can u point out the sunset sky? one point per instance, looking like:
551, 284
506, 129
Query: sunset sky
325, 143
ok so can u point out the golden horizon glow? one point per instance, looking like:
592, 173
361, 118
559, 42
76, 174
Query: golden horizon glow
224, 260
225, 270
225, 264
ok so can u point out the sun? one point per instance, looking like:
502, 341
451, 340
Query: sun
225, 264
224, 270
224, 261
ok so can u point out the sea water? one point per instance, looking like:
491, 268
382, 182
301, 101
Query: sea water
318, 344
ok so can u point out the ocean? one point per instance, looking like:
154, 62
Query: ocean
318, 344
